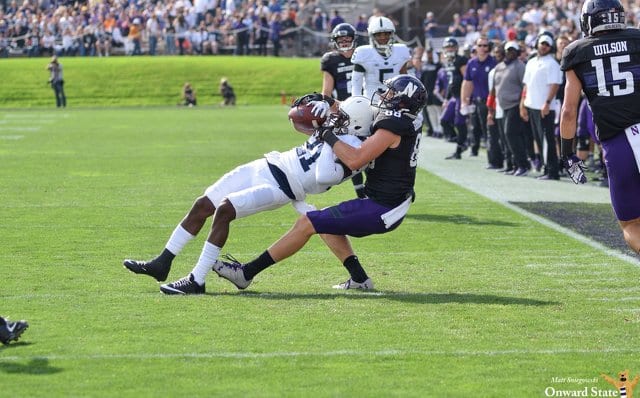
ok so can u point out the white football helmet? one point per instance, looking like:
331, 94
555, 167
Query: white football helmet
381, 25
357, 116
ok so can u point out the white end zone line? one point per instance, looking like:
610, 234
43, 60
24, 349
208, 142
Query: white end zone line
326, 354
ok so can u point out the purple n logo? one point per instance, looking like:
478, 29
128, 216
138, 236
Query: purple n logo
634, 130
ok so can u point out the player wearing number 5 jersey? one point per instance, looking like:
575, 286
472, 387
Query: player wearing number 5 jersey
604, 65
382, 59
264, 184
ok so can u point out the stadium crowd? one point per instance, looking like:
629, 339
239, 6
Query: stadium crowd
105, 27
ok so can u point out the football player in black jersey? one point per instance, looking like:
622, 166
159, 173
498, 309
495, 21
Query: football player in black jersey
394, 147
336, 69
336, 65
604, 65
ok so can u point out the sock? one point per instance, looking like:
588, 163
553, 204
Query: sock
166, 257
179, 238
253, 268
352, 264
208, 257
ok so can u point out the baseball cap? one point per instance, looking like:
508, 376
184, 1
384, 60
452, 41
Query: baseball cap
513, 45
546, 39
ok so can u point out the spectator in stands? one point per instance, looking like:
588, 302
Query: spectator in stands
289, 33
261, 27
103, 42
335, 20
456, 29
241, 32
226, 90
188, 95
135, 35
170, 36
181, 28
362, 30
56, 79
154, 32
276, 29
88, 42
429, 26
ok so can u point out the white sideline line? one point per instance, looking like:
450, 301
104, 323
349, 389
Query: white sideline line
470, 175
340, 353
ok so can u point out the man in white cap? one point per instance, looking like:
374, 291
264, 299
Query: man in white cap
542, 77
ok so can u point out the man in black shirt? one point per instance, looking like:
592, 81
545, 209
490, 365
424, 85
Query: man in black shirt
604, 66
394, 146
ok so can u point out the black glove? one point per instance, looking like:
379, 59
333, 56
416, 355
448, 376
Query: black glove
575, 167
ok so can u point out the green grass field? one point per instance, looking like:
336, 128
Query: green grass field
473, 299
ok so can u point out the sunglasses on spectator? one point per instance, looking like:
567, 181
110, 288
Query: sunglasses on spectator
482, 45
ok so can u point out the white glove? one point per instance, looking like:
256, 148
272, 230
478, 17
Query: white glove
320, 108
467, 109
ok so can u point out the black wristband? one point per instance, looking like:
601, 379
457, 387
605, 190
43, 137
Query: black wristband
566, 147
329, 100
330, 138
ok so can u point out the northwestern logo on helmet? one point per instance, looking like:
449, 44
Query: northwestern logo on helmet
410, 90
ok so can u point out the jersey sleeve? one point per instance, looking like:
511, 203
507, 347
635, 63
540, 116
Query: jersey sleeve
325, 62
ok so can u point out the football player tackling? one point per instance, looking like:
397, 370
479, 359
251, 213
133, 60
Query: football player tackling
389, 185
264, 184
604, 66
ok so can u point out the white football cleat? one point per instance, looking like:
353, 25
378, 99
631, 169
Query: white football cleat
350, 284
232, 271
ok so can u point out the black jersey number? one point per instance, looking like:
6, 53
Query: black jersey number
383, 72
616, 74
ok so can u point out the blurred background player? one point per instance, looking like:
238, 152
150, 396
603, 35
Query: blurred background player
336, 69
454, 124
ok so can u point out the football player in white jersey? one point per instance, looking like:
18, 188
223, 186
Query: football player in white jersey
380, 60
264, 184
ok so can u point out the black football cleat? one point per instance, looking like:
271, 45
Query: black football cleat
159, 271
186, 285
11, 331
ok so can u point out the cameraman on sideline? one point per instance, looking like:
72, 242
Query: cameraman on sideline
56, 79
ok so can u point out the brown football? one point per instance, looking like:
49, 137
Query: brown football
303, 119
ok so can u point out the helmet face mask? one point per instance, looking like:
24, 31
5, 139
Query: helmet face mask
381, 25
404, 94
339, 35
602, 15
